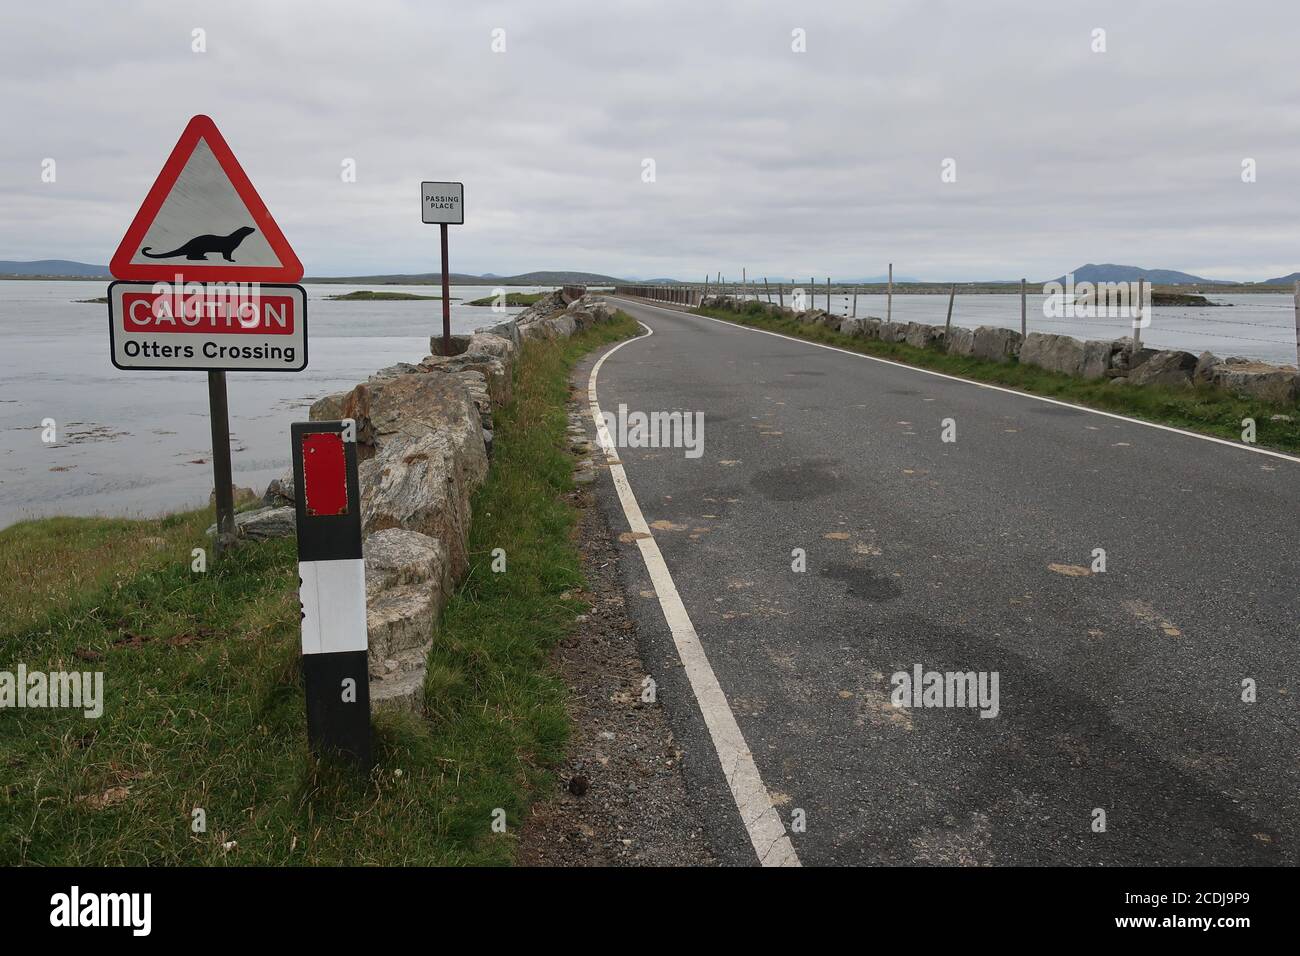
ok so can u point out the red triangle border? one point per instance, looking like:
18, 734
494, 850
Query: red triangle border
202, 127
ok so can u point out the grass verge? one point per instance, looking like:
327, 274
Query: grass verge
1203, 408
203, 705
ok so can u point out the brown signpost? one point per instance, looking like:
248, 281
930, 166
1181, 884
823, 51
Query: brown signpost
443, 203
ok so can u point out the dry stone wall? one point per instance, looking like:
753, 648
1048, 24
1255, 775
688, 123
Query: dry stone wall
424, 439
1115, 360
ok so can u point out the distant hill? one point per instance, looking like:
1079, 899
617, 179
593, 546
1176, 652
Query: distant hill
1283, 280
461, 278
66, 268
53, 267
1109, 272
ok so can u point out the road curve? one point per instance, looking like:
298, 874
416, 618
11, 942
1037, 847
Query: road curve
1119, 693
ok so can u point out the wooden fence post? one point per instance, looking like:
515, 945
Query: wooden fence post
889, 302
1137, 325
1024, 325
1297, 323
947, 327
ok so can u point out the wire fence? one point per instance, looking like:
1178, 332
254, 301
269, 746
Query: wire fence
1263, 326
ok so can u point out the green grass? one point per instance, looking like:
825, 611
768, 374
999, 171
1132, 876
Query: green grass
1202, 408
512, 298
366, 295
203, 699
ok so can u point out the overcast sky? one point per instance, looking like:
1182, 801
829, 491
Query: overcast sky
824, 162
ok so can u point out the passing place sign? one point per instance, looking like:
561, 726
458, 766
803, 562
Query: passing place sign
217, 326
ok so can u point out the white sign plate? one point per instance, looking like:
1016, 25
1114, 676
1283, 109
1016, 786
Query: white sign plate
442, 202
235, 327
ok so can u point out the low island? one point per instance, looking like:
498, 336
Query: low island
365, 295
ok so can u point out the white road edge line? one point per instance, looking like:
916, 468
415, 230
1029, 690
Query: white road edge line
996, 388
757, 811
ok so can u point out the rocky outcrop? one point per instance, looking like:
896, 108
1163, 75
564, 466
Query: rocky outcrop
407, 585
1056, 353
496, 369
1098, 357
960, 341
997, 344
558, 327
1270, 383
893, 331
261, 524
1170, 369
1205, 363
922, 336
426, 470
279, 493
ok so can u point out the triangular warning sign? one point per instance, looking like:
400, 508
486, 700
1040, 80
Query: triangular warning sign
204, 221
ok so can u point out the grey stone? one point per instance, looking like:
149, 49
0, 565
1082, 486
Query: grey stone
1056, 353
893, 331
1172, 369
559, 327
459, 343
329, 408
241, 496
499, 346
424, 483
1271, 383
921, 335
1097, 357
547, 305
495, 370
960, 341
411, 405
399, 619
851, 328
508, 330
997, 344
1204, 367
261, 524
396, 556
392, 371
279, 493
401, 690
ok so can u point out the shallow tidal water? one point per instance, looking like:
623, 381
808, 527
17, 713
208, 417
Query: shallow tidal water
139, 443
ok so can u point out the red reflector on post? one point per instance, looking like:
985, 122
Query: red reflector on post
324, 474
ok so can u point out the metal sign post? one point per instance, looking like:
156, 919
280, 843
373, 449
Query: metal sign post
225, 492
446, 295
443, 203
332, 589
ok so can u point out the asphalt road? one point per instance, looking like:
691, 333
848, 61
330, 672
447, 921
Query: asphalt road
1118, 691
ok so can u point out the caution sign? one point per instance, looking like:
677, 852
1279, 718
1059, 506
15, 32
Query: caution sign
203, 221
227, 327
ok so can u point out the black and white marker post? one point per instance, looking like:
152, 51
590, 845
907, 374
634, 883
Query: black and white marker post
332, 589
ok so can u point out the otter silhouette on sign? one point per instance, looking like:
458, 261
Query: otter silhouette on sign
197, 249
